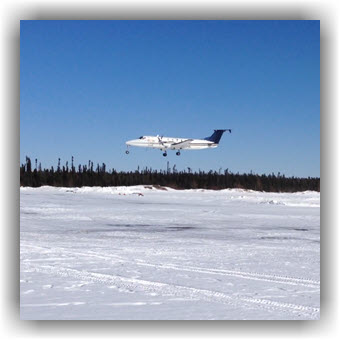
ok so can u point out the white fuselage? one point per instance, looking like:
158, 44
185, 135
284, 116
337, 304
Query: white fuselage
171, 143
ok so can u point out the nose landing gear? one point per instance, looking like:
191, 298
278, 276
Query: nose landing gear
127, 152
165, 154
178, 153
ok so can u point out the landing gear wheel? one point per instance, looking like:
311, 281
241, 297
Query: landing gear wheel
178, 153
127, 152
165, 154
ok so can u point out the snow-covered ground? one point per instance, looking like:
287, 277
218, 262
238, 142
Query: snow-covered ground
142, 253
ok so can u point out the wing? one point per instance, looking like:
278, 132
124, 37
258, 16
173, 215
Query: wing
181, 145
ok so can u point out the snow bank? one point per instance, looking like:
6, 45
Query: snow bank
297, 199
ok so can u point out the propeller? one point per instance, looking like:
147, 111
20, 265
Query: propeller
160, 139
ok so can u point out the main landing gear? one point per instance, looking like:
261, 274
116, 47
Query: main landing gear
165, 154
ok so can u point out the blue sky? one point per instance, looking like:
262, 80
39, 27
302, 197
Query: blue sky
88, 86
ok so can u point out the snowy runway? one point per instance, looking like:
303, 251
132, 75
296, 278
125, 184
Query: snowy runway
142, 253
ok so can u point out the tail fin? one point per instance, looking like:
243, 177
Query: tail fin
216, 136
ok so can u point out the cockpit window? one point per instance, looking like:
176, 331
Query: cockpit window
141, 137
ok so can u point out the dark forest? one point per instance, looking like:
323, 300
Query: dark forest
69, 175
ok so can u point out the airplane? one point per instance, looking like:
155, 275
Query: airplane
165, 143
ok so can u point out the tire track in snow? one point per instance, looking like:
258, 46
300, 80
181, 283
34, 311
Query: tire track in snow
245, 275
280, 279
162, 288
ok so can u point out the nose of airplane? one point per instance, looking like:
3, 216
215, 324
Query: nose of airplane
133, 142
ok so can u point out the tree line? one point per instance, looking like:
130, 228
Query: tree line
68, 175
